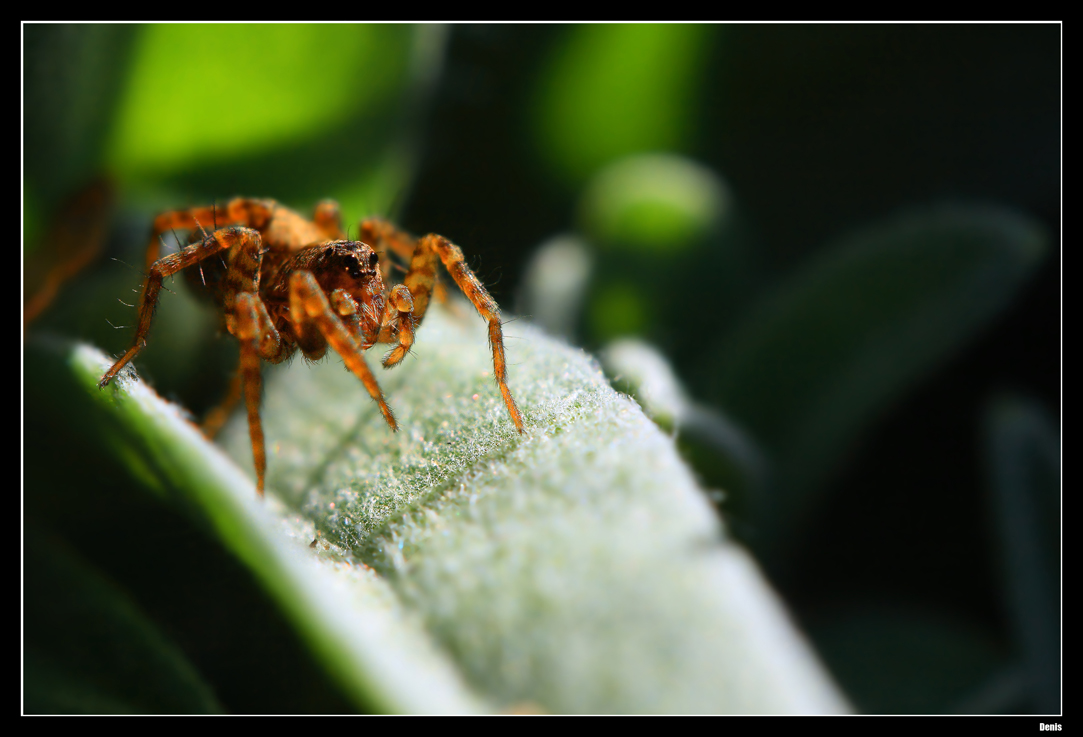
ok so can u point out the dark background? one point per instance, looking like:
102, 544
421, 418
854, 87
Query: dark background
818, 131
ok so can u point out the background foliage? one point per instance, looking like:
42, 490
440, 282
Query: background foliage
841, 239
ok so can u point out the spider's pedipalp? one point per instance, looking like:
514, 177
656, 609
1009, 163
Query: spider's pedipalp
398, 316
309, 305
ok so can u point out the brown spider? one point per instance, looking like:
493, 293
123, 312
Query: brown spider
282, 282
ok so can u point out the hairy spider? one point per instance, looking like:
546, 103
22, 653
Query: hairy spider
282, 282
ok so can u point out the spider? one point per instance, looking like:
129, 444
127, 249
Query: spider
282, 282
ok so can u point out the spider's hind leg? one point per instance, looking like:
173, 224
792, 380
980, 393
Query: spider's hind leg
385, 237
259, 341
216, 417
249, 213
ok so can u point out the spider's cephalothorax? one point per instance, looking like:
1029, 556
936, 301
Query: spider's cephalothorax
283, 283
347, 270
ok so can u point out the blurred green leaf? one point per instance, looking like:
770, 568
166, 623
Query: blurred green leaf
899, 661
815, 362
298, 112
1024, 466
243, 89
89, 650
351, 621
614, 90
73, 75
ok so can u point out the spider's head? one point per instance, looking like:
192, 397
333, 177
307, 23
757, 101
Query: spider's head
354, 267
350, 266
354, 260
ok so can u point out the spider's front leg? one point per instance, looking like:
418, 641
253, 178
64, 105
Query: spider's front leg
310, 306
221, 240
420, 280
386, 238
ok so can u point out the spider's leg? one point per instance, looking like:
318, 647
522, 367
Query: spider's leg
420, 280
328, 219
74, 241
309, 305
349, 312
220, 240
384, 236
247, 319
249, 213
398, 324
216, 417
258, 339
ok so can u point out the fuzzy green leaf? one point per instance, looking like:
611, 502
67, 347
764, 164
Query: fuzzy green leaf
575, 568
814, 363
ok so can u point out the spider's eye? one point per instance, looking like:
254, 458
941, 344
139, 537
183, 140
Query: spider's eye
373, 260
353, 268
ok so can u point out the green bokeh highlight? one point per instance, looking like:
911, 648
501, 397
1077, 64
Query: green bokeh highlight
618, 309
201, 92
614, 90
654, 203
